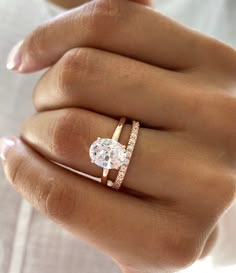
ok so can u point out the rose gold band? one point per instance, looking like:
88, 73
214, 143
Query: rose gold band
116, 136
130, 148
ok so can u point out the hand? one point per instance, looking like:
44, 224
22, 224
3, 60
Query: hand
111, 59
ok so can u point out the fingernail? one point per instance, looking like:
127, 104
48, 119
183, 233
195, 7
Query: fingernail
5, 144
14, 59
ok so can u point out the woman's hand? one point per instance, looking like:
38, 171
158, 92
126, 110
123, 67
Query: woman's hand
116, 58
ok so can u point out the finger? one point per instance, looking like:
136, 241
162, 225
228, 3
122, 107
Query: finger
114, 222
79, 204
117, 86
67, 135
122, 27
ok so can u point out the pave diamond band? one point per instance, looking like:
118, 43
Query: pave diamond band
130, 148
110, 154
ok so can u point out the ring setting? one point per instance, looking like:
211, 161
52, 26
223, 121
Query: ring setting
109, 153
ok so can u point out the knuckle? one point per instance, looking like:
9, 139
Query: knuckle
75, 63
182, 247
58, 201
180, 240
216, 111
220, 112
70, 59
41, 94
220, 54
103, 16
83, 64
66, 69
220, 186
72, 125
223, 191
60, 129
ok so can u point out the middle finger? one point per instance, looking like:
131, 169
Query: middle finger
116, 86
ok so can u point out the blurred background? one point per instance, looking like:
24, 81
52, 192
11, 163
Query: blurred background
29, 243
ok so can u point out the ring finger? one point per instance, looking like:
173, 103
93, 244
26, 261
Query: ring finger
65, 136
68, 133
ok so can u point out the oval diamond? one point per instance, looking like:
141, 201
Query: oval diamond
107, 153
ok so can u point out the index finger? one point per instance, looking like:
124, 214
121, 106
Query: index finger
118, 26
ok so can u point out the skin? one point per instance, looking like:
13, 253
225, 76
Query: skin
178, 83
68, 4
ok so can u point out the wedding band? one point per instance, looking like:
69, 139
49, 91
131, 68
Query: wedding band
130, 148
109, 153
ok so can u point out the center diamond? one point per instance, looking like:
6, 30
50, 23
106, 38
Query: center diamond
108, 153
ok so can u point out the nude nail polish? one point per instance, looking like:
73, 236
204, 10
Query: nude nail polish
5, 144
14, 59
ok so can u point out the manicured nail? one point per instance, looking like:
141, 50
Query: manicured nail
5, 144
14, 58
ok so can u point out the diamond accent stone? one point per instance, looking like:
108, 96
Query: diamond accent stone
108, 153
130, 148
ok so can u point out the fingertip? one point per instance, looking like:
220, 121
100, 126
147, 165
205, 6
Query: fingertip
6, 143
14, 59
18, 60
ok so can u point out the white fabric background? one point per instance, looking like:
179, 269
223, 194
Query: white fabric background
29, 243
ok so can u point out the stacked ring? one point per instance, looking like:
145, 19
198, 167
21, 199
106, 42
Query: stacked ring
130, 148
110, 154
